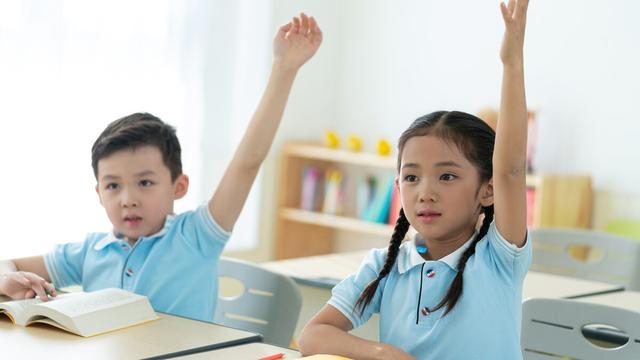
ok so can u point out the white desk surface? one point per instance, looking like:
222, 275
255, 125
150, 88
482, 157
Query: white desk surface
629, 300
326, 270
168, 335
251, 351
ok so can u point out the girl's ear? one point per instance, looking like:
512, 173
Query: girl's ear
486, 194
180, 187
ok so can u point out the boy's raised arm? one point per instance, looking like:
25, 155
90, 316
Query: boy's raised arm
509, 169
294, 44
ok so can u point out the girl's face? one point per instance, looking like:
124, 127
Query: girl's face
440, 189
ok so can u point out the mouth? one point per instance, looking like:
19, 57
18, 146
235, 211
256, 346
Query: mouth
428, 216
132, 220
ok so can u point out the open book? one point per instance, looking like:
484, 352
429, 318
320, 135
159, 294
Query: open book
84, 314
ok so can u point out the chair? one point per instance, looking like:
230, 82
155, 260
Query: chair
588, 255
269, 303
555, 328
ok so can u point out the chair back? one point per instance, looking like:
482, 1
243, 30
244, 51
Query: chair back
268, 304
562, 328
587, 255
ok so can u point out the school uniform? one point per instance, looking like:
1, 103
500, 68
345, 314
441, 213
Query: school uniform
177, 268
484, 324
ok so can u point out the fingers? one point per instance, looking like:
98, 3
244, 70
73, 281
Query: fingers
296, 25
304, 24
38, 286
521, 9
505, 13
314, 29
285, 28
511, 6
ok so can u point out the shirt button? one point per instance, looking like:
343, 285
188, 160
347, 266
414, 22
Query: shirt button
430, 273
129, 272
425, 311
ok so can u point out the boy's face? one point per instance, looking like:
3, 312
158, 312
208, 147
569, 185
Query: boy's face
135, 188
440, 189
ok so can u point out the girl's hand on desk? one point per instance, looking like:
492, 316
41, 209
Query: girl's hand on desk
25, 285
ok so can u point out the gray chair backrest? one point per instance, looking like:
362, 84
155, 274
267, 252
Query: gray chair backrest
269, 303
553, 329
588, 255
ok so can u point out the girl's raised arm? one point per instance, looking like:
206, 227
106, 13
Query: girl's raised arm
509, 157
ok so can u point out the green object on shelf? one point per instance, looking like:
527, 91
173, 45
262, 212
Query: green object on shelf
625, 227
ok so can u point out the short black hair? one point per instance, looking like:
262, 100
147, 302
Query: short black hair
134, 131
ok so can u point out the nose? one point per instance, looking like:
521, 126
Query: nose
427, 193
129, 199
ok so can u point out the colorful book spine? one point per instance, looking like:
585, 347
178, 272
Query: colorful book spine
333, 194
310, 184
396, 205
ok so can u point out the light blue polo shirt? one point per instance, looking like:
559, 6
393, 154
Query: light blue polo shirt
485, 323
176, 268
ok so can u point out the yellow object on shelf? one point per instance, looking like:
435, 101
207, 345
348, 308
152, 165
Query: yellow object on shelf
383, 147
331, 139
354, 143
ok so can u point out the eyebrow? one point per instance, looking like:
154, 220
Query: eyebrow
140, 174
438, 164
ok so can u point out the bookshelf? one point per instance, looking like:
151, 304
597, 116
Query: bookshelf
553, 200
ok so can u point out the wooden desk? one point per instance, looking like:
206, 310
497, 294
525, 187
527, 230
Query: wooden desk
245, 351
316, 275
166, 337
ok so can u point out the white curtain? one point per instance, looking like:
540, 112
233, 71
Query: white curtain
68, 68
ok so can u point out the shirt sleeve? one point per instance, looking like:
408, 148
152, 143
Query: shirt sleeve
346, 293
511, 261
203, 233
65, 263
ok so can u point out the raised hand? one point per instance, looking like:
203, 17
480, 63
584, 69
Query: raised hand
515, 18
297, 41
25, 285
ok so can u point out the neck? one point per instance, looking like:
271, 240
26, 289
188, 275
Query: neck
441, 248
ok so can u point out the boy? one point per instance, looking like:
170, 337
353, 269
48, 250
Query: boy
172, 259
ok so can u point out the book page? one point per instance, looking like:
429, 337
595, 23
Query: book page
83, 303
16, 308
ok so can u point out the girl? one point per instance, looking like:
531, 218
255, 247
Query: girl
452, 292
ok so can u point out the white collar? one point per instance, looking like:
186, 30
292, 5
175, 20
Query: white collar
408, 256
111, 237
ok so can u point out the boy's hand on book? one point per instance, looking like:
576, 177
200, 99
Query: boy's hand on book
26, 285
297, 41
515, 18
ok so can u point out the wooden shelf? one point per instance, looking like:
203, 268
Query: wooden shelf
336, 222
316, 152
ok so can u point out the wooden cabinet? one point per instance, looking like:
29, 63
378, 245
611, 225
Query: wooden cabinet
556, 201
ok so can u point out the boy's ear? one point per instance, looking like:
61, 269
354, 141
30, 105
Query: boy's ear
180, 187
98, 192
486, 194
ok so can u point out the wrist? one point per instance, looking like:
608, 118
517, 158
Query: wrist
283, 67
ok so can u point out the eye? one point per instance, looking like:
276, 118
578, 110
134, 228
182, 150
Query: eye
146, 183
410, 178
111, 186
447, 177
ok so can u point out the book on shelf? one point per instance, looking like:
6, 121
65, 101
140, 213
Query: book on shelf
396, 205
311, 181
333, 192
84, 313
378, 210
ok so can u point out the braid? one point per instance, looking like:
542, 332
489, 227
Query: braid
455, 290
399, 231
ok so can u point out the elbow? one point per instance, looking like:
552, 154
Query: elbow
306, 343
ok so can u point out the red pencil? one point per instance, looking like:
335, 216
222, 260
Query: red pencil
273, 357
